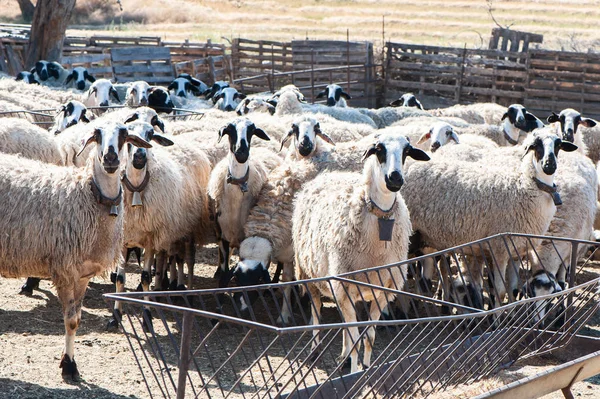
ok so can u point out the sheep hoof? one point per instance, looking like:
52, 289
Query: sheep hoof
147, 323
347, 366
31, 284
139, 288
113, 277
69, 369
114, 321
25, 290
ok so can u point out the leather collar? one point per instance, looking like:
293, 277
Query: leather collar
552, 190
242, 182
102, 199
509, 139
377, 211
129, 186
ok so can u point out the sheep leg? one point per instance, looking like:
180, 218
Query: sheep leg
286, 308
160, 279
71, 298
148, 263
350, 343
315, 319
173, 268
31, 284
119, 280
224, 258
190, 260
499, 275
380, 302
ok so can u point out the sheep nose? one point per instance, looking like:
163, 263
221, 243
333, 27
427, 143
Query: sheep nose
435, 146
139, 159
111, 161
80, 85
144, 101
549, 166
181, 94
569, 135
330, 101
104, 104
228, 108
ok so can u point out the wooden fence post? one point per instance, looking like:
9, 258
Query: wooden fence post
459, 81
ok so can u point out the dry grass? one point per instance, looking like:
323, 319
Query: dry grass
570, 25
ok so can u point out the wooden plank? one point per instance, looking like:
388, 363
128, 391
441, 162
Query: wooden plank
122, 54
143, 68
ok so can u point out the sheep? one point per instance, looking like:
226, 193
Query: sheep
407, 100
268, 230
160, 100
68, 115
289, 104
32, 97
518, 121
523, 201
234, 186
478, 113
165, 202
567, 124
200, 85
215, 90
336, 228
336, 96
291, 88
87, 200
79, 75
249, 105
137, 94
18, 136
100, 94
182, 86
27, 77
49, 73
442, 133
228, 99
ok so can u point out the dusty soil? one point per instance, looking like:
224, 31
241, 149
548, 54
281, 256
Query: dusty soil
31, 342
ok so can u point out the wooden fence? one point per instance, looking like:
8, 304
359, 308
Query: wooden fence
311, 65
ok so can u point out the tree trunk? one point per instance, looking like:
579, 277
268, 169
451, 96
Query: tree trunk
48, 30
27, 8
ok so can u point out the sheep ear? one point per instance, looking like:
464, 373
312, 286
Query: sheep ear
286, 138
162, 140
454, 136
346, 95
504, 116
271, 109
553, 118
156, 121
88, 77
137, 141
322, 135
417, 154
419, 105
241, 96
69, 78
115, 95
587, 122
84, 118
369, 151
261, 134
91, 139
424, 137
397, 103
171, 86
322, 94
273, 103
567, 146
192, 88
530, 116
225, 131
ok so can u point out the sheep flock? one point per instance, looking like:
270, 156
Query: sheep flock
286, 190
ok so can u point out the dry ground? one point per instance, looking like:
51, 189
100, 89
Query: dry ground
31, 341
568, 24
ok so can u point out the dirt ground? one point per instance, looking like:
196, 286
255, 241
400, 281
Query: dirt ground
31, 343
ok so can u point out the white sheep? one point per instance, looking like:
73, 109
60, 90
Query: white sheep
68, 115
407, 100
478, 113
567, 124
234, 186
337, 229
335, 95
87, 200
442, 133
182, 87
137, 94
228, 99
18, 136
100, 94
254, 104
27, 77
493, 199
49, 73
79, 76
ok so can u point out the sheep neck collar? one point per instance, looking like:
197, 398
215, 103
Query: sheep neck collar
508, 138
377, 211
550, 189
104, 200
129, 186
241, 182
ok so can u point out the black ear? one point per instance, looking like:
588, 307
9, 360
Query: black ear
132, 117
272, 102
322, 94
419, 105
271, 109
345, 95
69, 78
226, 130
505, 116
369, 151
162, 140
567, 146
93, 137
587, 122
397, 103
114, 93
88, 77
84, 118
261, 134
553, 118
192, 88
172, 86
241, 96
288, 136
53, 69
417, 154
156, 121
32, 70
530, 117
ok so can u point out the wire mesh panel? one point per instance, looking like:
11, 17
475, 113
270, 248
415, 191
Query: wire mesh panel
231, 343
42, 117
182, 114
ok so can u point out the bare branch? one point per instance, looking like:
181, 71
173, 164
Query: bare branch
490, 9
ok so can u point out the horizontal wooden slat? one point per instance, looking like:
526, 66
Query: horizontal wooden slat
139, 53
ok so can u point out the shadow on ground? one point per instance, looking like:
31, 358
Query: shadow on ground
23, 390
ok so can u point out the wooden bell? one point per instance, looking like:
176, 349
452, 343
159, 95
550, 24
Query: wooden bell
114, 211
137, 199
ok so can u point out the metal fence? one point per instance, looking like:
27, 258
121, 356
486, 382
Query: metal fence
228, 343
